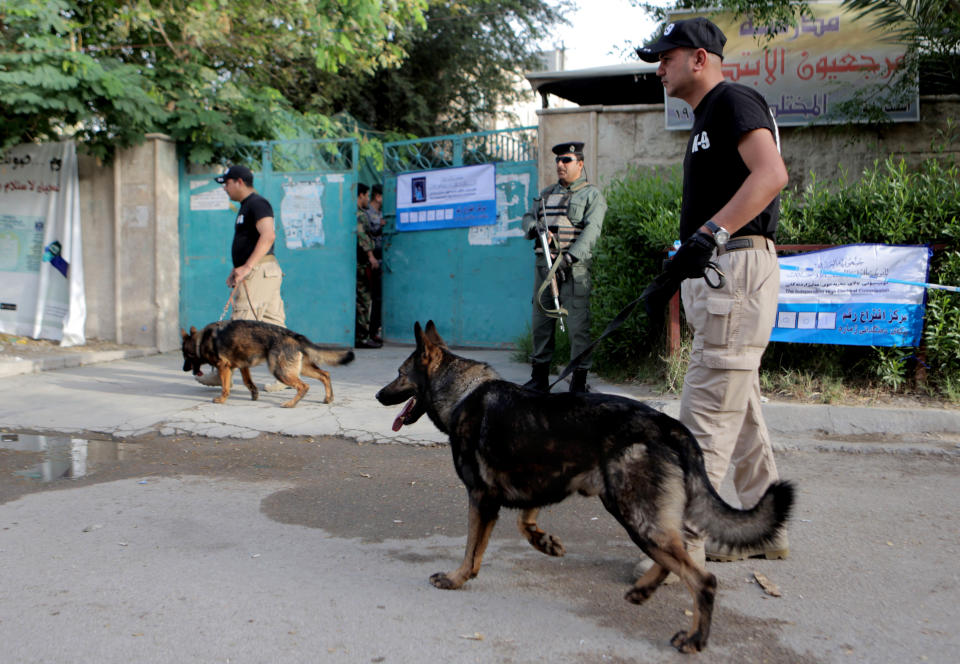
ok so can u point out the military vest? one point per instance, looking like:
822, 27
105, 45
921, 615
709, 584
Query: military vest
564, 231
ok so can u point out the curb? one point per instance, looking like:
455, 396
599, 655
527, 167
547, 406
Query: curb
788, 418
20, 366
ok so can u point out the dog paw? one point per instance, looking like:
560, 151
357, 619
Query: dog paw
639, 595
443, 582
688, 643
550, 545
219, 399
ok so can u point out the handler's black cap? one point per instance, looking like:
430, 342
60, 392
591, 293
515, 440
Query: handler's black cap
692, 33
237, 173
574, 147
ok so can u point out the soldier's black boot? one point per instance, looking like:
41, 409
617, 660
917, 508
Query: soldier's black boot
578, 383
540, 377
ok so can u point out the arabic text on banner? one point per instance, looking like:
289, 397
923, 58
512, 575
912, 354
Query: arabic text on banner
818, 307
447, 198
804, 73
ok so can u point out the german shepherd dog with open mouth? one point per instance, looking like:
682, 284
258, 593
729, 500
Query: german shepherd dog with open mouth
241, 344
514, 447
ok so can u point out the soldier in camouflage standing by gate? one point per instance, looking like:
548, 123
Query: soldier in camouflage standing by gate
574, 211
366, 263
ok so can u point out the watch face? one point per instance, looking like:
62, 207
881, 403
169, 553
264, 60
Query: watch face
722, 236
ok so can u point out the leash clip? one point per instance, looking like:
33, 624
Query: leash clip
721, 277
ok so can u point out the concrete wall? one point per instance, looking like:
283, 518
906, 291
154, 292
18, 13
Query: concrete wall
131, 256
620, 136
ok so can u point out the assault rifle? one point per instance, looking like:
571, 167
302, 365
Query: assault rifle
544, 235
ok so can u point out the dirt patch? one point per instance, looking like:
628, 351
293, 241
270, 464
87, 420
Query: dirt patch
32, 349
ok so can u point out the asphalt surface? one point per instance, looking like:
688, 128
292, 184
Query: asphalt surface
140, 521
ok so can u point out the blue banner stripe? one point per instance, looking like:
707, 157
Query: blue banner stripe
850, 324
456, 215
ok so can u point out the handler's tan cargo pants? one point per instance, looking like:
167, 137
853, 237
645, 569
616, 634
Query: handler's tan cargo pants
720, 403
263, 287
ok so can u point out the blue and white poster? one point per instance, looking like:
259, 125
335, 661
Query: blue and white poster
447, 198
853, 295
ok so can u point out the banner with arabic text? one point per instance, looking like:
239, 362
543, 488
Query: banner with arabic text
41, 257
867, 308
447, 198
804, 73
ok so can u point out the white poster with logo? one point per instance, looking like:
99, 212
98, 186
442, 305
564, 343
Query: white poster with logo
41, 266
447, 198
854, 295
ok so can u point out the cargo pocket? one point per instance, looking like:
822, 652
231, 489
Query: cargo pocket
581, 281
272, 271
717, 326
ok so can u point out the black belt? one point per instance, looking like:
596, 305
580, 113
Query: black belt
746, 242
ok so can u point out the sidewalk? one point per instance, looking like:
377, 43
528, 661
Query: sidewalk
134, 391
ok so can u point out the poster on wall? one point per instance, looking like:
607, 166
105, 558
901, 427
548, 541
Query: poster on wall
301, 211
447, 198
805, 73
41, 265
853, 295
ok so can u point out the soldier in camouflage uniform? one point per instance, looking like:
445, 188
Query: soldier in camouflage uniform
366, 263
574, 211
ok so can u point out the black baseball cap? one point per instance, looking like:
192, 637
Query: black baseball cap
236, 173
692, 33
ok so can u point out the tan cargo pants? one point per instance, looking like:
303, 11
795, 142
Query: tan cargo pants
720, 403
258, 297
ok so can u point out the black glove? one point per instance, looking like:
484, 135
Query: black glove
690, 261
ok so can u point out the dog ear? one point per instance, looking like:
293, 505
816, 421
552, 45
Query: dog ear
434, 336
418, 336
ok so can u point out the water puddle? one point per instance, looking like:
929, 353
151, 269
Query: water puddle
64, 457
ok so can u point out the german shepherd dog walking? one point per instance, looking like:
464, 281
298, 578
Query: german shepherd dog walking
241, 344
513, 447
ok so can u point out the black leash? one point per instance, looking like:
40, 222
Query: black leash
664, 282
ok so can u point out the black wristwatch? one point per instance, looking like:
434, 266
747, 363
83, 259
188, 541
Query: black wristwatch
720, 234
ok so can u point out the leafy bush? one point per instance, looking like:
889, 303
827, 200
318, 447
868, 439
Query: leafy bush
643, 215
891, 204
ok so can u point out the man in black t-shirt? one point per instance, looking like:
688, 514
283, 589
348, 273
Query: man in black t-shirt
732, 178
254, 263
255, 266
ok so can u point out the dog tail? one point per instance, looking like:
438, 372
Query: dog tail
319, 355
735, 528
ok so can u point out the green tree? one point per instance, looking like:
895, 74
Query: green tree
207, 72
460, 73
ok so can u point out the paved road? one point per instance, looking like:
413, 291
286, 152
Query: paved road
251, 533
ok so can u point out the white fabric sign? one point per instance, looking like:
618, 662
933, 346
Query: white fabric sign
858, 294
41, 255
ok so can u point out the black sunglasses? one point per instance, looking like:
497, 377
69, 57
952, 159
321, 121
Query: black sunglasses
565, 159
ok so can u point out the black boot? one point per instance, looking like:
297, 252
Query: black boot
578, 383
540, 377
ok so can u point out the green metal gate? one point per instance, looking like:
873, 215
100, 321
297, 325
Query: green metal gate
311, 185
475, 283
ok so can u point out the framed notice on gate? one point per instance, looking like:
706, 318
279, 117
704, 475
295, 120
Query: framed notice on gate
447, 198
853, 295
